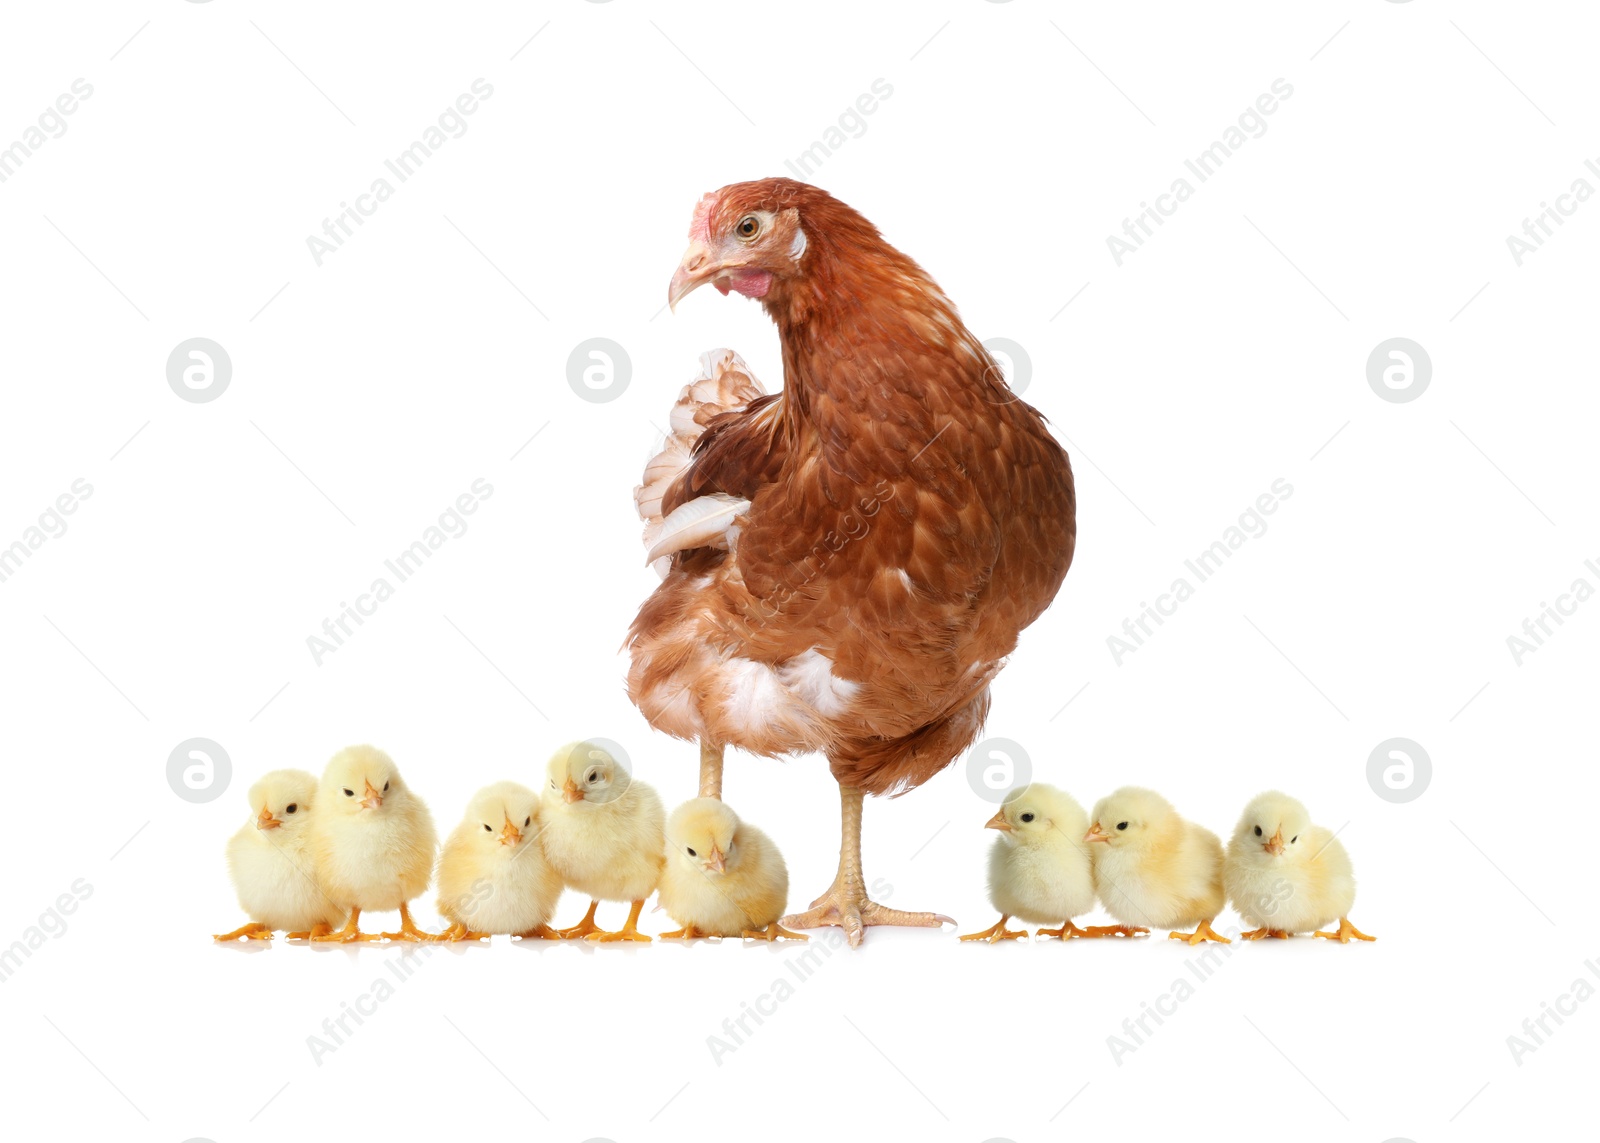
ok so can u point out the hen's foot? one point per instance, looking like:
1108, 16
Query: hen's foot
1114, 931
773, 932
628, 932
409, 931
853, 911
540, 933
1066, 932
997, 932
1202, 932
254, 931
459, 932
1261, 934
1346, 933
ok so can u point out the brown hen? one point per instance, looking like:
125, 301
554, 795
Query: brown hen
846, 564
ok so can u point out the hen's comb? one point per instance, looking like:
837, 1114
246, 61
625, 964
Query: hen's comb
700, 225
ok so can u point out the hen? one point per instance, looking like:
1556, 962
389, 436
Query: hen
846, 564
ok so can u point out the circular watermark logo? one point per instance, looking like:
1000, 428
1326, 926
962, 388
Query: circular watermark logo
198, 770
599, 370
1399, 770
1016, 365
1399, 370
997, 767
199, 370
622, 775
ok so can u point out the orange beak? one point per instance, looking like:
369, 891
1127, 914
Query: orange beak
998, 822
266, 820
1274, 844
372, 799
510, 835
1096, 834
571, 792
715, 861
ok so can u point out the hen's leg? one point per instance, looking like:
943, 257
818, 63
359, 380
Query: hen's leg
1345, 933
254, 931
710, 770
846, 903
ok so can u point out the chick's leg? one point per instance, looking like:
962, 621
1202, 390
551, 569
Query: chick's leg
254, 931
687, 933
1263, 933
584, 927
1113, 931
846, 903
540, 933
1346, 933
350, 932
459, 932
1066, 932
998, 932
773, 932
1202, 932
408, 929
628, 932
710, 770
320, 929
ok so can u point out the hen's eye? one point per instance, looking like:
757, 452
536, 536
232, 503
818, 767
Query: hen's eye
290, 808
1258, 831
692, 853
1027, 817
1122, 825
349, 793
749, 226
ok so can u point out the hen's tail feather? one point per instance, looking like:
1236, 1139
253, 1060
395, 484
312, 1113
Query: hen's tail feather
724, 385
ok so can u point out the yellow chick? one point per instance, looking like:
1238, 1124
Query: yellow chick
1286, 875
603, 832
373, 842
493, 876
1039, 866
272, 870
723, 877
1152, 868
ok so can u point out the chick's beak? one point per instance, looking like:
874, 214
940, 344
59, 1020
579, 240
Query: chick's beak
510, 835
698, 267
1274, 844
1096, 834
571, 792
715, 861
998, 822
266, 820
372, 799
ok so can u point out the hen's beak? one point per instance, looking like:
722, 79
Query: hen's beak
1274, 844
511, 835
716, 861
1096, 834
698, 267
372, 799
998, 822
266, 820
571, 792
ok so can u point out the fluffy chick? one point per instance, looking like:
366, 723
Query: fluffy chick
493, 876
1039, 866
722, 877
1285, 875
603, 832
1153, 868
373, 841
272, 871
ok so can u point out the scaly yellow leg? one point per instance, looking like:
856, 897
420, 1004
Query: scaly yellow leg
1202, 932
1345, 933
254, 931
997, 932
629, 931
350, 932
586, 926
773, 932
408, 929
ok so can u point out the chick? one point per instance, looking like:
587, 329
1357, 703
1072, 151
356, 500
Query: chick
1039, 867
1285, 875
271, 869
603, 832
723, 877
373, 841
1152, 868
493, 876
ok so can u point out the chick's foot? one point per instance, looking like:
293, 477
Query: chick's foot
687, 933
1260, 934
540, 933
1346, 933
408, 929
254, 931
1114, 931
320, 929
628, 932
1066, 932
773, 932
459, 932
350, 932
1202, 932
997, 932
584, 927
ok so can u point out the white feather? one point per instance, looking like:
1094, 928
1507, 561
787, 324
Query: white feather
706, 521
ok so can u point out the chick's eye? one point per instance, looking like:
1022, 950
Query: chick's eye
527, 821
1122, 825
486, 828
749, 226
290, 808
386, 787
1294, 839
692, 853
349, 793
1027, 817
594, 776
1258, 831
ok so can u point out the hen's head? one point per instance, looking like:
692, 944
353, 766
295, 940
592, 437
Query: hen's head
755, 237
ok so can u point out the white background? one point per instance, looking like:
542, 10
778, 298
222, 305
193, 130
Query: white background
369, 392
